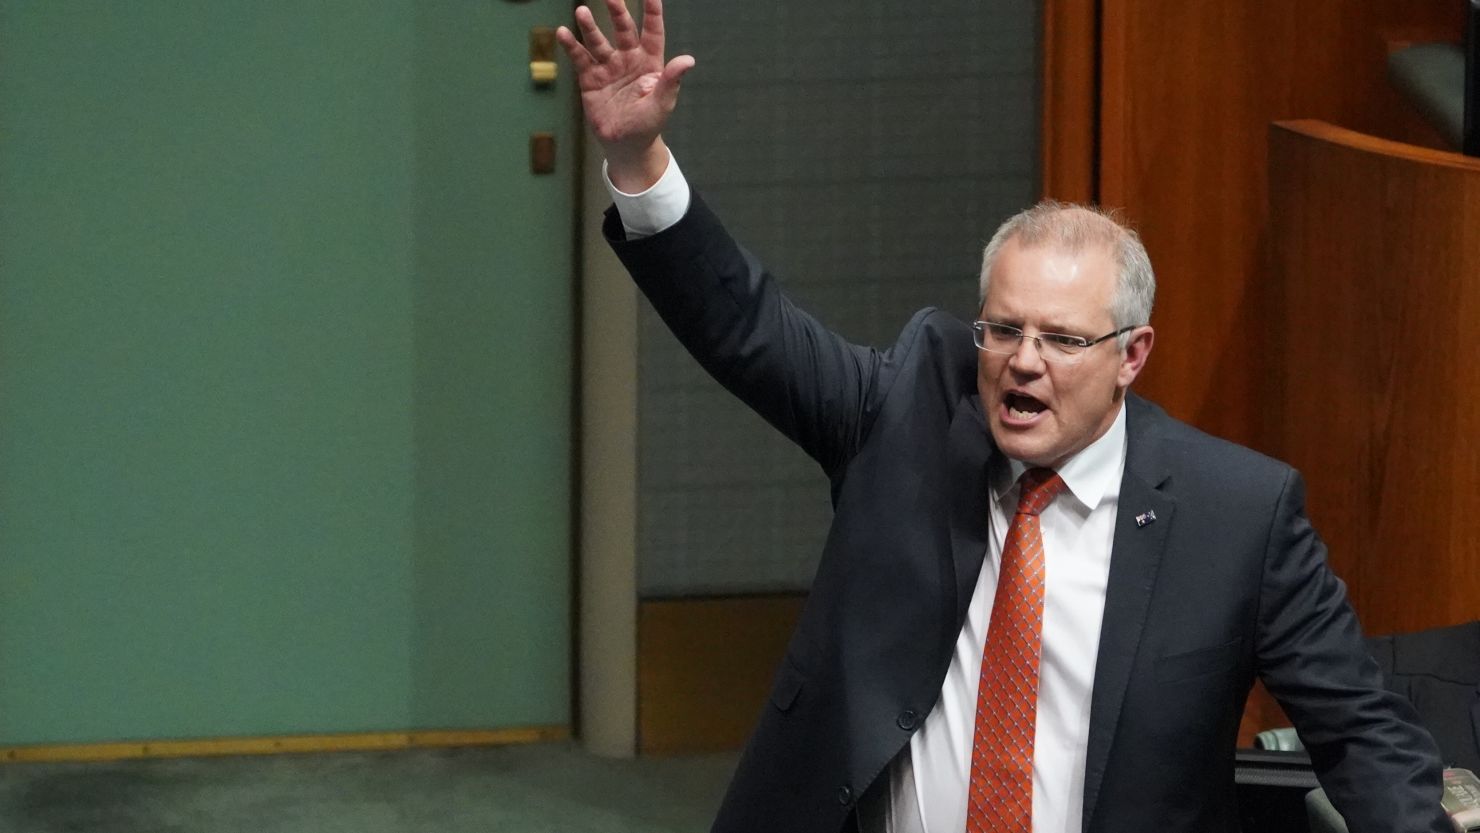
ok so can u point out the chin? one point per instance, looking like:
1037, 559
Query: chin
1029, 459
1030, 453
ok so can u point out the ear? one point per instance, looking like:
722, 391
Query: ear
1135, 356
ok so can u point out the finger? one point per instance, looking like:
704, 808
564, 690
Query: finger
591, 34
652, 27
668, 81
579, 57
624, 29
676, 68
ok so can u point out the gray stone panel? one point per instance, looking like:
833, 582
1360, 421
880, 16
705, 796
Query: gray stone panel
865, 153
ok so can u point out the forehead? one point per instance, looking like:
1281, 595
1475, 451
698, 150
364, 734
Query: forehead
1048, 284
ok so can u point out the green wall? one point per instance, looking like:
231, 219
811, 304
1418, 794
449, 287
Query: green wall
282, 449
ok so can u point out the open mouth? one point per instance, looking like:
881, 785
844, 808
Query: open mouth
1023, 408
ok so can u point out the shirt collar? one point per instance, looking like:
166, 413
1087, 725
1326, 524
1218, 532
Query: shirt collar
1091, 474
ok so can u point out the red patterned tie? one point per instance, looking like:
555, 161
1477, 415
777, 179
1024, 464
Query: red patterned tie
1000, 794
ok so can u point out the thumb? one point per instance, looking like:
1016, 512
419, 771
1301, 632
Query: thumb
668, 81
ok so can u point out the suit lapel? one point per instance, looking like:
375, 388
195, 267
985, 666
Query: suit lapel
970, 450
1142, 522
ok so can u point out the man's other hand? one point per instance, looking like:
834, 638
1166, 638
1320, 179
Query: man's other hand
627, 91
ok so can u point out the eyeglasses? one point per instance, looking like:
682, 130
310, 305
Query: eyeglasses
1053, 347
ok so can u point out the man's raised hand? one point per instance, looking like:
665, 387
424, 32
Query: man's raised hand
627, 91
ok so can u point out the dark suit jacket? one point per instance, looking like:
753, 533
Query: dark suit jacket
1438, 671
1229, 581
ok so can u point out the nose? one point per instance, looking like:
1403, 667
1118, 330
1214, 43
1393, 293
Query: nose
1028, 359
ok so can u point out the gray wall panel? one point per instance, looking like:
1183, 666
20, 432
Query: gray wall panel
866, 155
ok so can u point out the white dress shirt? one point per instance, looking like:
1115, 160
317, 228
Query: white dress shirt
1078, 528
928, 782
660, 206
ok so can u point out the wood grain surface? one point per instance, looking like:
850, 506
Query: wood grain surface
1376, 271
1071, 54
1188, 90
704, 669
280, 744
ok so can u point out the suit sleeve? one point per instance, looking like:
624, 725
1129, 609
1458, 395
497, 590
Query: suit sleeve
1378, 766
726, 309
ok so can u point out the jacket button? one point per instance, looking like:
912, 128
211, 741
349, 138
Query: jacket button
908, 720
845, 795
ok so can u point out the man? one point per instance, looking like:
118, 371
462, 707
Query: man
1042, 602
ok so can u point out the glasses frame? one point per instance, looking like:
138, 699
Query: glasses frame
978, 335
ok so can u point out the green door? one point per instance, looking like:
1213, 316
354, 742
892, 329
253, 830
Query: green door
494, 259
285, 370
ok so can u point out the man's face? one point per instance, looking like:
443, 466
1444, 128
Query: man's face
1043, 412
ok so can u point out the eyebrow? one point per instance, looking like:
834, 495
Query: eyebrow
1051, 327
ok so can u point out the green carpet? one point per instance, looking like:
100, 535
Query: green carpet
518, 789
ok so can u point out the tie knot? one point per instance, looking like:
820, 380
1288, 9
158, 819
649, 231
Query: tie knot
1039, 488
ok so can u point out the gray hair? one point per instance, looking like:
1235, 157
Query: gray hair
1074, 228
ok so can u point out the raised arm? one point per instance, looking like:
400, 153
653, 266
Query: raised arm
719, 301
627, 90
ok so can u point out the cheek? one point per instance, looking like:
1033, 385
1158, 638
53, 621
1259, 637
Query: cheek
1087, 396
988, 370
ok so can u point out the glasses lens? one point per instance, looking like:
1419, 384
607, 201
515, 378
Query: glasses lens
1053, 347
997, 338
1060, 348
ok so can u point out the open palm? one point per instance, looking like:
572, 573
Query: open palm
627, 91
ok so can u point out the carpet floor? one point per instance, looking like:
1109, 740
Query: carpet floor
513, 789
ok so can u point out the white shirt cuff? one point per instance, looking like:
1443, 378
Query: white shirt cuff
660, 206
